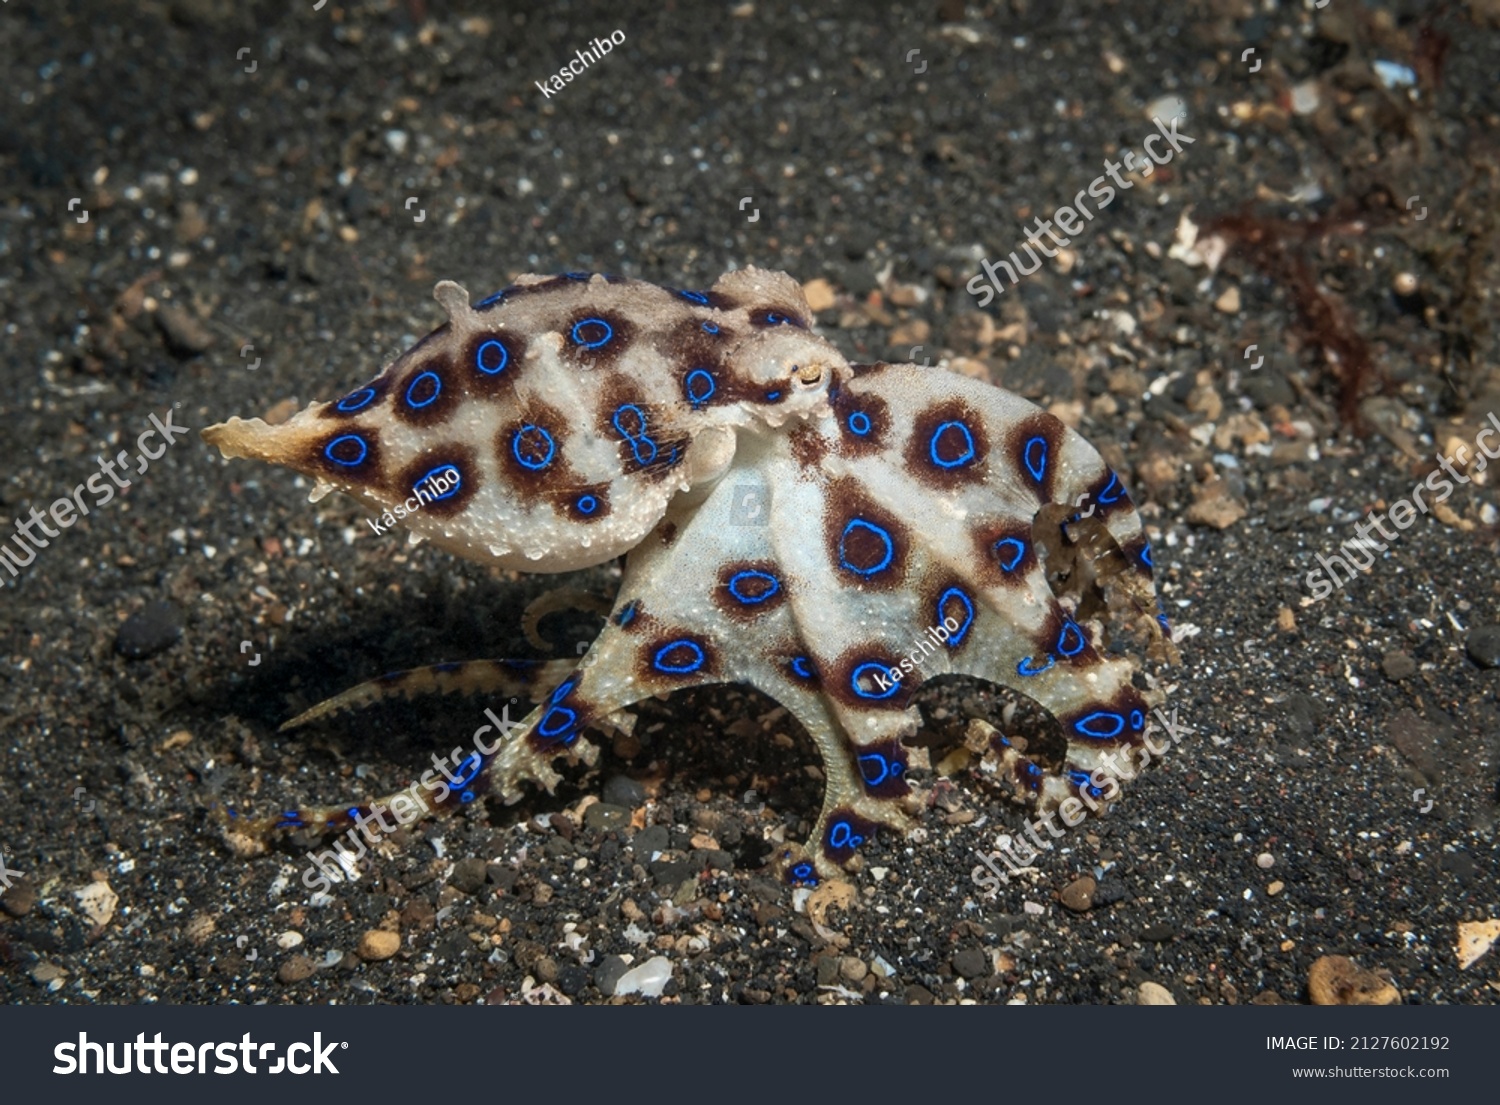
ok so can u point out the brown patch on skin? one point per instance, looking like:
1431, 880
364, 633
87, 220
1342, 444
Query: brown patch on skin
685, 658
873, 564
881, 768
953, 433
501, 383
379, 386
1060, 631
1024, 455
660, 451
939, 611
525, 437
998, 560
762, 317
1135, 551
1108, 487
688, 347
571, 503
846, 832
869, 369
809, 447
431, 381
668, 532
847, 405
750, 597
583, 327
368, 472
435, 459
806, 674
633, 617
838, 682
1126, 701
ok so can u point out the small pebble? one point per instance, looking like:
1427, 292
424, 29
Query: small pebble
622, 790
1078, 895
606, 817
972, 963
1398, 666
1153, 993
154, 627
1484, 646
1265, 861
289, 940
648, 980
296, 969
1338, 980
853, 969
378, 944
468, 875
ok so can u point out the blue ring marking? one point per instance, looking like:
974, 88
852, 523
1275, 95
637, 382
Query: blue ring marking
578, 275
1070, 626
364, 450
801, 667
450, 666
1084, 783
890, 548
804, 872
694, 383
695, 297
1019, 552
968, 454
679, 669
628, 613
290, 818
479, 357
555, 731
1146, 556
587, 504
956, 638
884, 768
437, 390
1104, 497
876, 695
772, 318
579, 340
353, 812
861, 427
466, 774
1161, 620
772, 396
1115, 721
1035, 457
633, 438
1025, 668
842, 835
562, 692
1137, 719
753, 573
710, 327
496, 298
357, 400
452, 490
515, 448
